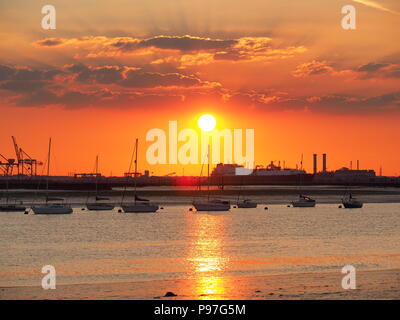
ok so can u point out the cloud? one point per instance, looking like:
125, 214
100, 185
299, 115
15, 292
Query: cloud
50, 42
312, 68
138, 79
22, 85
186, 43
331, 103
379, 70
80, 85
366, 71
376, 5
103, 75
127, 44
183, 50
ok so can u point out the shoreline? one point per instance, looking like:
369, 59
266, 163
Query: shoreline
184, 195
371, 284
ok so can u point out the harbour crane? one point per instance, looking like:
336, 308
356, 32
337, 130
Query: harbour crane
24, 163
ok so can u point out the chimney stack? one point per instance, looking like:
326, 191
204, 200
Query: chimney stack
324, 162
315, 163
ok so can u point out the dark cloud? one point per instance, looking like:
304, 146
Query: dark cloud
371, 67
184, 43
50, 42
181, 43
22, 86
187, 43
379, 70
109, 86
137, 79
334, 104
6, 73
103, 75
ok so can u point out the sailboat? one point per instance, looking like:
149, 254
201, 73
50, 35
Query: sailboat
11, 207
51, 208
140, 205
211, 204
99, 206
245, 203
303, 201
350, 202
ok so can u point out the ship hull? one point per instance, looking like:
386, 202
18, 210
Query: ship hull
353, 205
52, 209
301, 204
139, 208
210, 206
245, 205
100, 206
11, 208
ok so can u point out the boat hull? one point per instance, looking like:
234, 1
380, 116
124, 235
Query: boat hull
246, 205
52, 209
352, 205
139, 208
100, 206
303, 204
11, 208
209, 206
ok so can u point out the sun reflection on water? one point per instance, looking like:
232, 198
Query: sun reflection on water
206, 255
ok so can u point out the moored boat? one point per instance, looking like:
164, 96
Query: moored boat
304, 202
12, 208
246, 203
212, 205
100, 206
140, 205
52, 208
350, 202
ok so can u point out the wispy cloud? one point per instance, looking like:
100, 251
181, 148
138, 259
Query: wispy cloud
376, 5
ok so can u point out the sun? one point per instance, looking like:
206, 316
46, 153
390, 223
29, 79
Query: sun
207, 122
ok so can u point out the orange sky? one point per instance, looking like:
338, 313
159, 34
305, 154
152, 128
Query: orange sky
112, 71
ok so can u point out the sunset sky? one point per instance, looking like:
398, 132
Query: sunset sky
112, 70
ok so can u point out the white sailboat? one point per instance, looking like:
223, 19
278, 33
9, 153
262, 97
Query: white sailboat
51, 208
97, 205
211, 204
139, 205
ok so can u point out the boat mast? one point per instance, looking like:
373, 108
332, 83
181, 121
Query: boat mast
208, 173
48, 171
97, 170
127, 176
136, 155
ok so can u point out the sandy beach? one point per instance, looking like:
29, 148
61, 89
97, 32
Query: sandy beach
373, 284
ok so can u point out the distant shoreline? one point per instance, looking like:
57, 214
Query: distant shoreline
276, 194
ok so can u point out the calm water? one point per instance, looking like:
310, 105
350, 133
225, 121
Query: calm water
88, 247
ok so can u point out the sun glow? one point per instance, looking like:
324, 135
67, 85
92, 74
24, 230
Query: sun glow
207, 122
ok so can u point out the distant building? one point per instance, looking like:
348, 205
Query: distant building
223, 169
345, 173
271, 170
